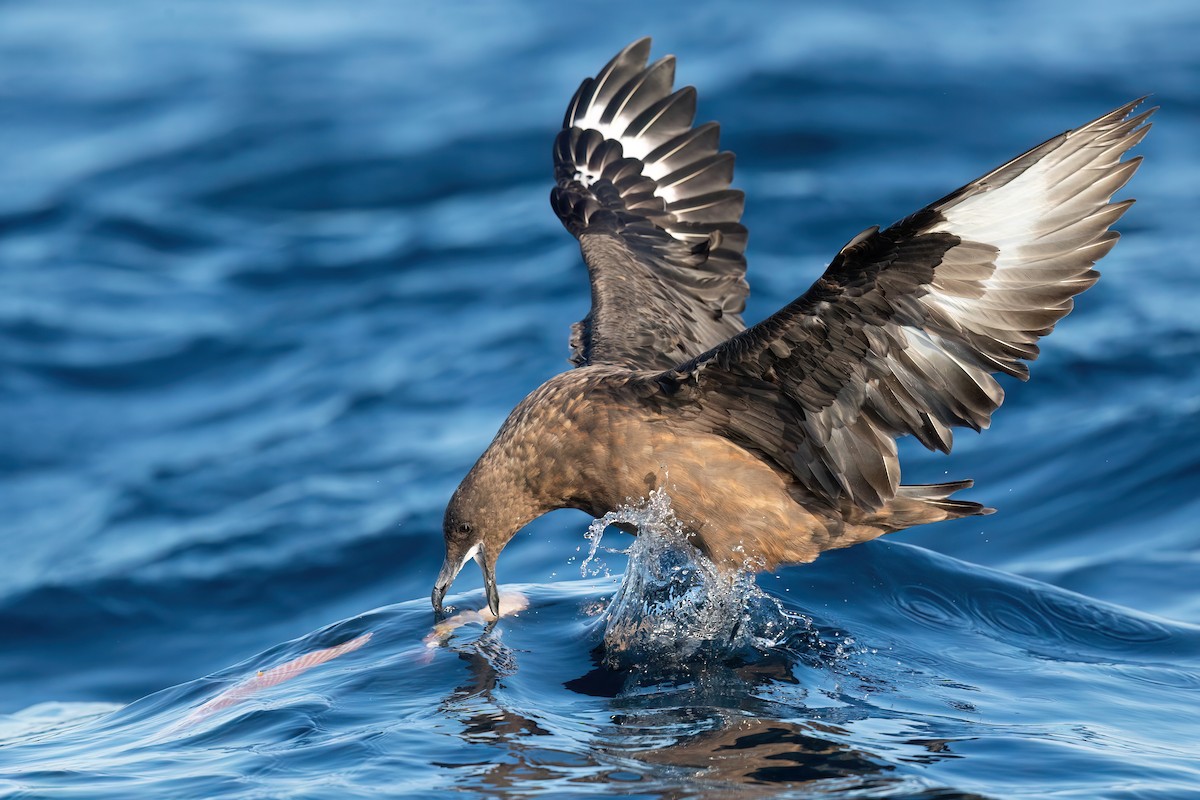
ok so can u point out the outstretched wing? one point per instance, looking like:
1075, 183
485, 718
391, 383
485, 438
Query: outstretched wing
648, 197
905, 329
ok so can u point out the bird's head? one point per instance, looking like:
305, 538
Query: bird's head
485, 512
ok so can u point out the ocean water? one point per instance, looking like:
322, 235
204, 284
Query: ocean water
273, 273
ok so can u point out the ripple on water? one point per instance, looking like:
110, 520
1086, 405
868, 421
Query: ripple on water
1095, 624
1031, 615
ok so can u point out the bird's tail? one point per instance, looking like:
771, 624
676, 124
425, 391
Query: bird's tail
930, 502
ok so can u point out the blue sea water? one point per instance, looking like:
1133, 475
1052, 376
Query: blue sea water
273, 273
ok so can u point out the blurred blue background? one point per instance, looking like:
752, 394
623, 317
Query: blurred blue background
273, 273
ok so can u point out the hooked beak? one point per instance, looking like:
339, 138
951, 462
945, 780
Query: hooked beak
453, 565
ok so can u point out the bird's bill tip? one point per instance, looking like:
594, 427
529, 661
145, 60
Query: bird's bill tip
493, 590
439, 594
450, 568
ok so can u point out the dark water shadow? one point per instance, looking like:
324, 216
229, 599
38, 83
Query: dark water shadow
714, 724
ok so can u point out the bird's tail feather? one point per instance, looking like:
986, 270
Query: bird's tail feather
931, 502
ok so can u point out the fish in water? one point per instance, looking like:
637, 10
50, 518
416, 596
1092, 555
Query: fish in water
778, 441
262, 680
265, 679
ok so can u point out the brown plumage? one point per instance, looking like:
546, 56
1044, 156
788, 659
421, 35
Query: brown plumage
777, 442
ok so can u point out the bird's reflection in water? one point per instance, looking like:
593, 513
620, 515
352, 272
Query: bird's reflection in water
709, 724
749, 750
739, 745
484, 719
510, 758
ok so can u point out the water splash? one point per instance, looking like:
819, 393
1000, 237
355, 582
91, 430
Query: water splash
674, 604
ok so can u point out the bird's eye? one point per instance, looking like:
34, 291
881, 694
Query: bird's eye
464, 527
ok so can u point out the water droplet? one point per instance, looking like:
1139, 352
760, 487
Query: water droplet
674, 603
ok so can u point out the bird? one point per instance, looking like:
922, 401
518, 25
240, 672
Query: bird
776, 442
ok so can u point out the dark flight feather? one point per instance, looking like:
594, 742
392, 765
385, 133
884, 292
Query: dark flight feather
648, 197
904, 331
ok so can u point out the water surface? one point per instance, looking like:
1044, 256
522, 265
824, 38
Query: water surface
272, 274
